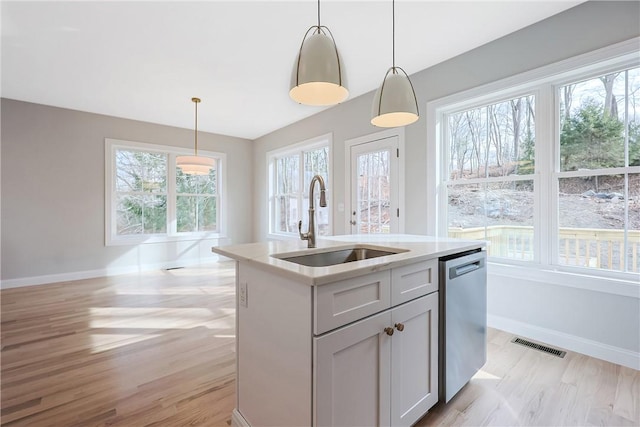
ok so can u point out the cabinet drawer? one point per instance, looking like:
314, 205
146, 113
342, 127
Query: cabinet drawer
412, 281
343, 302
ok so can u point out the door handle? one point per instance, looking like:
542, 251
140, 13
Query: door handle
352, 222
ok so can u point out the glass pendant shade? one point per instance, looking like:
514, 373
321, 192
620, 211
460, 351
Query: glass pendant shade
394, 103
317, 77
195, 165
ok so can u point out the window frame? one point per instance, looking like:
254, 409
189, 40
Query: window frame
171, 235
298, 148
544, 83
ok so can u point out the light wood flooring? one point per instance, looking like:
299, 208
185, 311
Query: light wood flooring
151, 349
520, 386
157, 349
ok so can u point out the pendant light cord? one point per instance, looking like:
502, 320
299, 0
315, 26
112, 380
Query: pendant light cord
318, 15
196, 145
393, 31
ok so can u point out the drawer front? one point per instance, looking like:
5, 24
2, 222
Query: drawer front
415, 280
343, 302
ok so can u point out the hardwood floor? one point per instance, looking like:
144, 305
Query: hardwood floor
157, 349
520, 386
154, 349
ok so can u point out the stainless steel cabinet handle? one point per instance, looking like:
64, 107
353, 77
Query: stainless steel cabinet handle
352, 222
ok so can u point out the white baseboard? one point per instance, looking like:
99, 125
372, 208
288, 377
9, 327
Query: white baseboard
237, 420
90, 274
574, 343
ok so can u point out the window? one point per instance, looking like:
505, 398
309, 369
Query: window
598, 179
149, 199
290, 173
547, 171
197, 202
490, 182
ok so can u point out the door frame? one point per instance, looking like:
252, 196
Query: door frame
373, 137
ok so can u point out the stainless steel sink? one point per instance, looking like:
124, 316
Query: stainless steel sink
342, 256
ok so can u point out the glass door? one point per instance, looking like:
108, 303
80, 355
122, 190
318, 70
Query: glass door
374, 187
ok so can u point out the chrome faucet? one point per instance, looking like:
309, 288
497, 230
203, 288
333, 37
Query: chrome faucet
310, 235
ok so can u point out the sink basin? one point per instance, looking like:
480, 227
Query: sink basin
342, 256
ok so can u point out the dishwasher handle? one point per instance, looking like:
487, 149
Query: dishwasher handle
462, 268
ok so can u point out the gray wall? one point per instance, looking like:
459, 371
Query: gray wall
53, 201
584, 28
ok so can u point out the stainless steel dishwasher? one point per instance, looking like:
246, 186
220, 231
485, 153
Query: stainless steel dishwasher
463, 320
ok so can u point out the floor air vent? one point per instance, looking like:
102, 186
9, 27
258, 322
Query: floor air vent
539, 347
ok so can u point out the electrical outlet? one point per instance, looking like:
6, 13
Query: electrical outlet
243, 295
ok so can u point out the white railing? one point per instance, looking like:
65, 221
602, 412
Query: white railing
584, 247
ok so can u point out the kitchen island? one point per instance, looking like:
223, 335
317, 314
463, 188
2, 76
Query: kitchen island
348, 342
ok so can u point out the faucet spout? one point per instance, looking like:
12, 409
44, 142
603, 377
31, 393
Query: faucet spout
310, 235
323, 198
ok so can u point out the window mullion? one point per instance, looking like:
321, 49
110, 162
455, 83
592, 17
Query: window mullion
442, 177
272, 195
172, 197
220, 217
627, 158
623, 256
546, 181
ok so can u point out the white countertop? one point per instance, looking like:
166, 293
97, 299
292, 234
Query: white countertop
417, 248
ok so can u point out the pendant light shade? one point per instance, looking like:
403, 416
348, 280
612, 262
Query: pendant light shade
195, 165
394, 103
318, 74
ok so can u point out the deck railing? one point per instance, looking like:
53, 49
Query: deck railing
584, 247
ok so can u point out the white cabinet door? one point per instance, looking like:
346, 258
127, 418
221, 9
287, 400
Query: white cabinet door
365, 377
352, 374
414, 359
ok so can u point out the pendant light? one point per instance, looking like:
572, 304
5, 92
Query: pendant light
195, 165
394, 103
317, 77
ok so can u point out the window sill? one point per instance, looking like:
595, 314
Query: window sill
624, 284
143, 240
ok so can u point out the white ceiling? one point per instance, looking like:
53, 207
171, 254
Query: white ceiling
146, 60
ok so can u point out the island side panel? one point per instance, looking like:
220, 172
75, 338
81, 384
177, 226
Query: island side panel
274, 349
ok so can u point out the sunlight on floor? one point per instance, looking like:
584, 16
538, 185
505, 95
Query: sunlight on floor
106, 342
482, 375
141, 290
102, 317
113, 327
